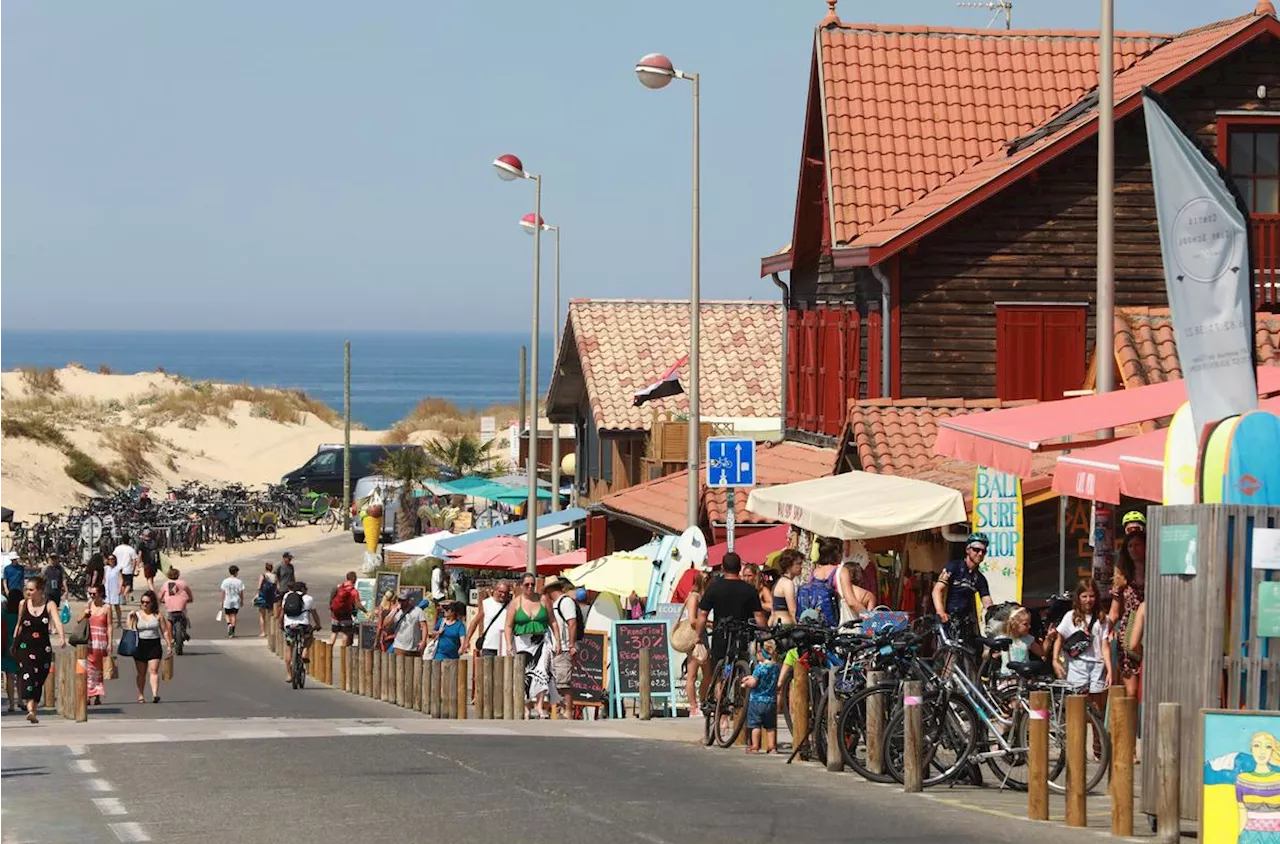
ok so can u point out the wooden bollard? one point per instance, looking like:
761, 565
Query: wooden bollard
82, 683
1126, 718
646, 702
436, 686
366, 673
484, 687
1038, 758
50, 700
379, 659
835, 757
344, 666
1114, 695
799, 707
502, 679
1076, 729
394, 678
448, 687
397, 689
1168, 773
913, 736
328, 663
875, 724
418, 666
464, 689
519, 709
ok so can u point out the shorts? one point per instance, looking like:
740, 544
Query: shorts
148, 649
488, 652
561, 669
303, 631
1087, 674
762, 715
149, 572
231, 610
128, 580
343, 625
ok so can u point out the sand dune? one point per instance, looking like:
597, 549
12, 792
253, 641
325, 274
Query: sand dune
177, 430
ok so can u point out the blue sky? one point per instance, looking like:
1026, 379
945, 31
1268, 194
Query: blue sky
248, 165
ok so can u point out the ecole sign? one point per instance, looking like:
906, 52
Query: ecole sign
997, 512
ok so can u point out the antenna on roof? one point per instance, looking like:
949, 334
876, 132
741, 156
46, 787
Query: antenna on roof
1000, 7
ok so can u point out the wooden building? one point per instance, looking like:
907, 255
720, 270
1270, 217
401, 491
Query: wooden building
947, 180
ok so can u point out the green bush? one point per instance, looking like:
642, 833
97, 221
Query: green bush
85, 470
40, 430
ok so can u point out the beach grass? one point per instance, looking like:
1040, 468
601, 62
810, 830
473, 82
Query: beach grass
191, 404
41, 380
34, 428
437, 414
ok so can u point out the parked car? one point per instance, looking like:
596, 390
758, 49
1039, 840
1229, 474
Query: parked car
390, 505
323, 472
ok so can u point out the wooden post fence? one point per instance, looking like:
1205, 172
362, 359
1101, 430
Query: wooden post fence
645, 702
464, 689
484, 688
875, 724
1076, 729
1038, 758
1122, 750
913, 756
416, 681
436, 688
1168, 760
366, 673
835, 758
799, 709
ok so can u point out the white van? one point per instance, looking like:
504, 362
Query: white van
390, 505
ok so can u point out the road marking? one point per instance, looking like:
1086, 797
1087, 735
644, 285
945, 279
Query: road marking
254, 734
109, 805
136, 738
484, 731
76, 749
99, 785
368, 731
84, 766
603, 732
129, 831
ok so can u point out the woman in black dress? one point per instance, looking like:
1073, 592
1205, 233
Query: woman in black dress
33, 644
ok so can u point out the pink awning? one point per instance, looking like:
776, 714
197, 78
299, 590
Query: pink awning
1133, 466
752, 547
1005, 439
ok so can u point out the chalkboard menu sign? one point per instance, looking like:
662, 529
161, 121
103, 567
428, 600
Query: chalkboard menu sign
587, 680
388, 581
629, 638
368, 635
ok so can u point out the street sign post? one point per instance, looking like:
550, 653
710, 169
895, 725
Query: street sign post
731, 463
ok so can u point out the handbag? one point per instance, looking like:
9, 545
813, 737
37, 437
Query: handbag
128, 643
1132, 649
1078, 642
110, 668
684, 637
80, 633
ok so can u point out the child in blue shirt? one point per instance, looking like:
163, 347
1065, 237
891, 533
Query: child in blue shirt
762, 704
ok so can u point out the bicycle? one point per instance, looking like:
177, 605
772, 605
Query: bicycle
178, 622
294, 638
725, 708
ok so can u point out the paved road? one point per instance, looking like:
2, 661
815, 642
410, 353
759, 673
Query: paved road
232, 752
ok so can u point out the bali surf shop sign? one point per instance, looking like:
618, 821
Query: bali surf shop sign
997, 512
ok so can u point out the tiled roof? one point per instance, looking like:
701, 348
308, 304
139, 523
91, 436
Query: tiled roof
1159, 69
1147, 353
895, 437
661, 502
625, 345
910, 107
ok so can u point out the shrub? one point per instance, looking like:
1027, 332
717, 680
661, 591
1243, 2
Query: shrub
105, 369
40, 430
132, 446
85, 470
41, 380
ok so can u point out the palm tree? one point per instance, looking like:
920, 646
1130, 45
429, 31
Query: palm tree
407, 466
463, 454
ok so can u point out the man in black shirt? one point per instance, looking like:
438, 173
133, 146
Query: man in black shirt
730, 598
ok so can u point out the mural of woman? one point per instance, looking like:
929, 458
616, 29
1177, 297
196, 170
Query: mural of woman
1258, 791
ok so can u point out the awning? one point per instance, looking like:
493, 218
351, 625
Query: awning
753, 547
425, 546
618, 574
505, 553
520, 528
1005, 439
1133, 466
860, 505
478, 487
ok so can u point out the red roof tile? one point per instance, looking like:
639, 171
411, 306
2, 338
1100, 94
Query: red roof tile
895, 437
661, 502
1147, 352
1159, 69
910, 108
625, 345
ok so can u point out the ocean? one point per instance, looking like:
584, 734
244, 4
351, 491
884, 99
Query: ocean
390, 371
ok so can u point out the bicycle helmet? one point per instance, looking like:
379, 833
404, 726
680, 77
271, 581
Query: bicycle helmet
978, 539
1134, 518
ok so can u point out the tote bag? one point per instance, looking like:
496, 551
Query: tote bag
128, 643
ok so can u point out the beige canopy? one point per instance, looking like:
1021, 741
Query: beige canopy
860, 505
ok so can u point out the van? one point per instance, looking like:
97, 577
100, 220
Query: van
390, 489
323, 472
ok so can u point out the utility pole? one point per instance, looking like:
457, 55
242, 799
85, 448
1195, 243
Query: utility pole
524, 386
346, 436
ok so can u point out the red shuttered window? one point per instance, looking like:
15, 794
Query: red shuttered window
822, 368
1040, 351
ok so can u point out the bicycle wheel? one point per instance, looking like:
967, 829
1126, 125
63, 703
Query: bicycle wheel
1097, 749
950, 736
709, 706
331, 520
731, 704
853, 730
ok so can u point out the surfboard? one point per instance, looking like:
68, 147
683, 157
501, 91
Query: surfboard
687, 551
1181, 446
1253, 460
1213, 459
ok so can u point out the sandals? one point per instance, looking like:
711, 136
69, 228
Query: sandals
31, 716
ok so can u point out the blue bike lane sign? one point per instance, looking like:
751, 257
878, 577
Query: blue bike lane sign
731, 462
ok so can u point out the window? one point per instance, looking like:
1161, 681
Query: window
326, 462
1040, 351
1253, 159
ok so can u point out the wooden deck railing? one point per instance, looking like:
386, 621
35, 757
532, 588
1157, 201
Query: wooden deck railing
1266, 261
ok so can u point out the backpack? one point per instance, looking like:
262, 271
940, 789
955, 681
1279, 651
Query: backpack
343, 605
293, 604
820, 595
267, 591
577, 611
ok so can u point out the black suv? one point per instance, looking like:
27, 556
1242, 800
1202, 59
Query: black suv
323, 472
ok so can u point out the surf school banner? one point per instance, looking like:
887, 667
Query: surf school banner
1204, 245
997, 512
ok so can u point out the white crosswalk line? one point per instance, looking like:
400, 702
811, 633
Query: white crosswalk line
84, 766
109, 805
129, 831
254, 734
368, 731
99, 785
136, 738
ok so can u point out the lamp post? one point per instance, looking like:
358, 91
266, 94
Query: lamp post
656, 71
509, 169
531, 223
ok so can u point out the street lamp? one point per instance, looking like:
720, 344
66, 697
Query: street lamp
656, 71
531, 223
509, 169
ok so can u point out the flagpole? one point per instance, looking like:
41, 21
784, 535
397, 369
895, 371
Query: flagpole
1105, 332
